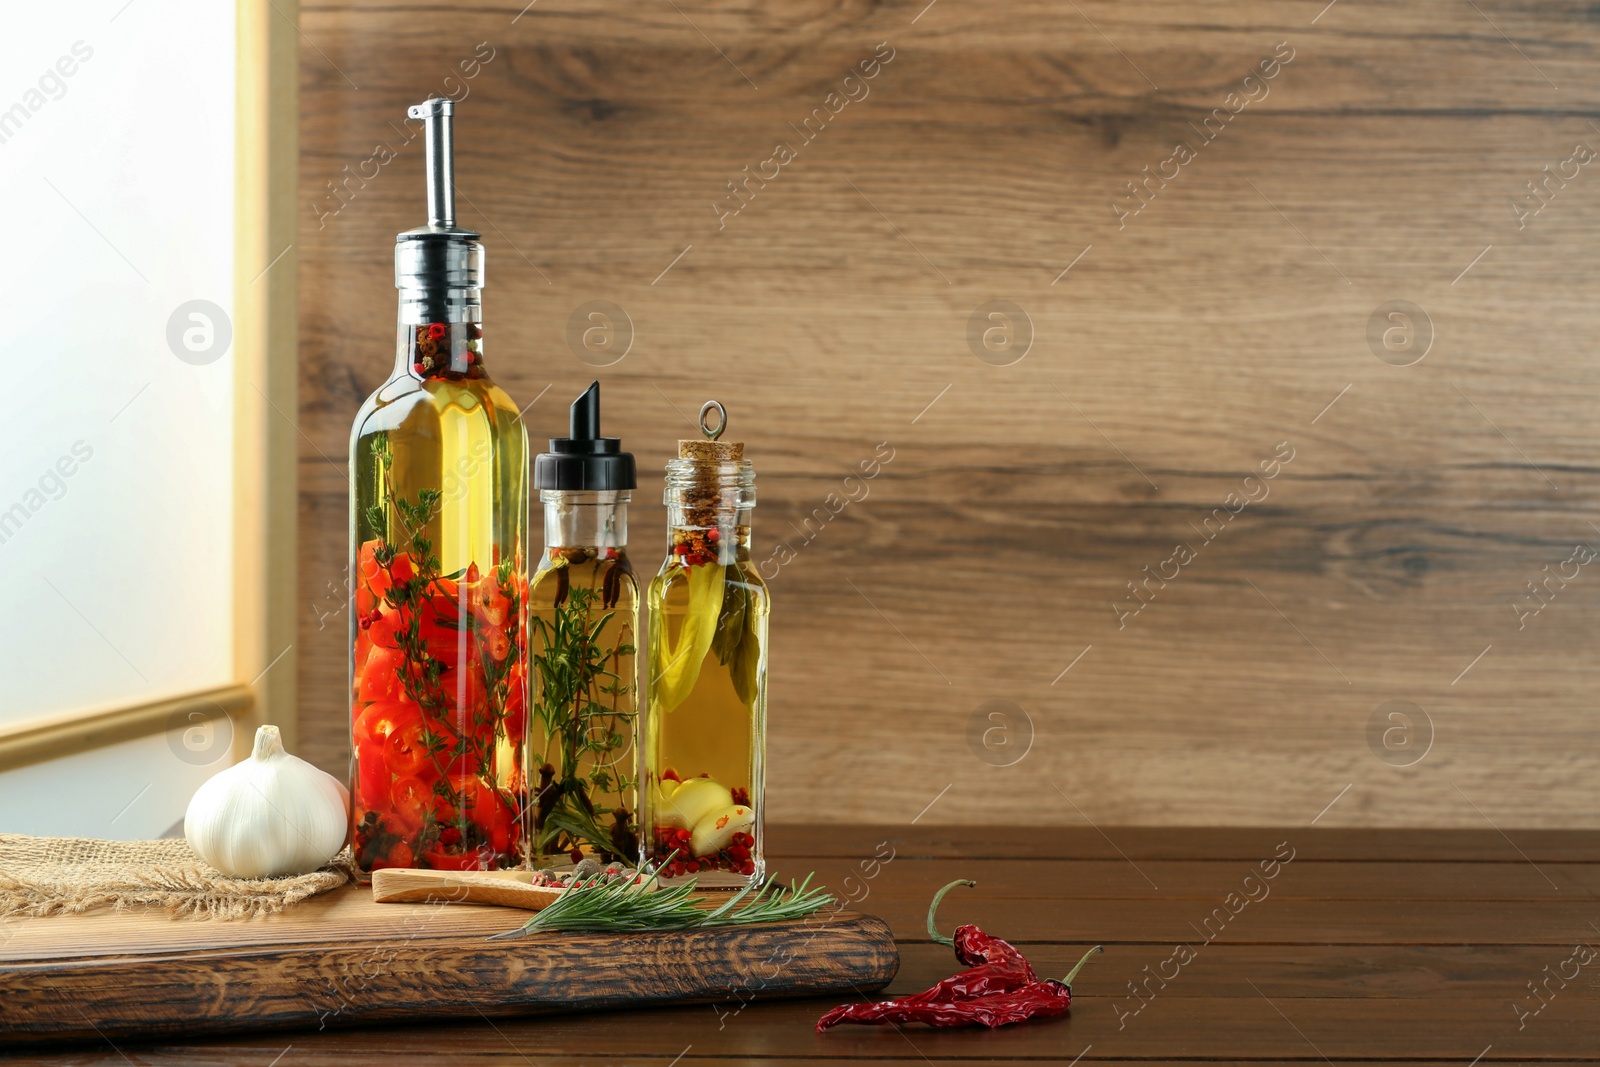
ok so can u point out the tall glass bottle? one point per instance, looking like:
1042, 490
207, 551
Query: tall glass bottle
705, 734
583, 636
438, 515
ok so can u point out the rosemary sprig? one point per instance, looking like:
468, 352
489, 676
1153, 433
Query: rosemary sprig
622, 907
773, 903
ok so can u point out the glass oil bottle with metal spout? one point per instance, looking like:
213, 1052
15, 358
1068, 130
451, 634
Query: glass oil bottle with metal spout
438, 517
583, 643
706, 672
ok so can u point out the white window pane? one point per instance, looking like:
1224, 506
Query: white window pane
116, 159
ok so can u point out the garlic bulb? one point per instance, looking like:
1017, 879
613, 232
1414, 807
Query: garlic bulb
271, 814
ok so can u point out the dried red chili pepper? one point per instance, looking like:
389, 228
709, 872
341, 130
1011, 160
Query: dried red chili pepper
1034, 1001
995, 966
999, 987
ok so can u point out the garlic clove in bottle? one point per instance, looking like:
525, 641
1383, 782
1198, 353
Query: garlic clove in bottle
715, 832
271, 814
692, 801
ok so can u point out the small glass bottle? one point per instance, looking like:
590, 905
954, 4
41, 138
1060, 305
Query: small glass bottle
705, 735
583, 630
438, 569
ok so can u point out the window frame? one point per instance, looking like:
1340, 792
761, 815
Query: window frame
264, 430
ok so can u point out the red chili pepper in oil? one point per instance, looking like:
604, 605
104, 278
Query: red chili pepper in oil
999, 986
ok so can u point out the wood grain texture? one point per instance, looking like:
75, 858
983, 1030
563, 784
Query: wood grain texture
343, 960
979, 844
1230, 314
1423, 963
1279, 987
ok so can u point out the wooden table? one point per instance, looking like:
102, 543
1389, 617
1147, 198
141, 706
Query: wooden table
1302, 945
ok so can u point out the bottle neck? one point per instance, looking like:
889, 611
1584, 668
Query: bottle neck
586, 519
726, 541
449, 351
708, 510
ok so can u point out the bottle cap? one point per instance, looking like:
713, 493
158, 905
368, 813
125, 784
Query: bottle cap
584, 460
438, 268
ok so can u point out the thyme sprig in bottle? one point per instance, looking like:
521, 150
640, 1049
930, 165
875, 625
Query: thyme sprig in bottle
706, 673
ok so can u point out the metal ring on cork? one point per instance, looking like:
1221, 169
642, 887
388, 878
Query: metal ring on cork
722, 419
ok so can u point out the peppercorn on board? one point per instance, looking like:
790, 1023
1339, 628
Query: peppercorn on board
342, 960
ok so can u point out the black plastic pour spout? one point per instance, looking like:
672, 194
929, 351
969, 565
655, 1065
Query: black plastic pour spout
584, 460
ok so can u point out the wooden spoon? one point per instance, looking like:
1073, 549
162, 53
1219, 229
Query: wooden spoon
508, 889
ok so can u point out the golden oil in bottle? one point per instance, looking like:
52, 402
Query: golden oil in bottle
705, 732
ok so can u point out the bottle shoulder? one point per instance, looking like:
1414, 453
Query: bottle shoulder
741, 572
403, 399
611, 578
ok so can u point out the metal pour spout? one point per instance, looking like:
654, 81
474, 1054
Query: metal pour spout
438, 144
438, 268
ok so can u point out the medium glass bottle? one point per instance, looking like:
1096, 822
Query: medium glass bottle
705, 735
583, 636
438, 517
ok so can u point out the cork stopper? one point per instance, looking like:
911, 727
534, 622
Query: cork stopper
712, 449
704, 487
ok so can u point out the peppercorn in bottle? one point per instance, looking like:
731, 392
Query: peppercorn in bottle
705, 733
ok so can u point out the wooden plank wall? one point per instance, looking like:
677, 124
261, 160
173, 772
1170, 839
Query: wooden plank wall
1223, 326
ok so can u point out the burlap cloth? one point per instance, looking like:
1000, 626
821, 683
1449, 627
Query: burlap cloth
66, 875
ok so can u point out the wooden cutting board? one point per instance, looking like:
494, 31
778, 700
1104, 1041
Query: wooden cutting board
340, 960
